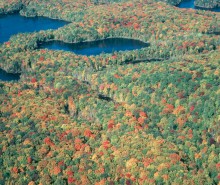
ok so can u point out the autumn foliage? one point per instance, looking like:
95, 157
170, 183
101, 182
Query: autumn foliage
149, 116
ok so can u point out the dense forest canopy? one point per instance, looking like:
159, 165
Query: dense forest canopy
148, 116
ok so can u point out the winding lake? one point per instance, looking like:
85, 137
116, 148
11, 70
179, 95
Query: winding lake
96, 47
4, 76
190, 4
14, 23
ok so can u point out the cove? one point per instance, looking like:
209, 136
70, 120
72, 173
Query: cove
11, 24
190, 4
4, 76
109, 45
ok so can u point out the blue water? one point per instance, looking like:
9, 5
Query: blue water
190, 4
14, 23
4, 76
96, 47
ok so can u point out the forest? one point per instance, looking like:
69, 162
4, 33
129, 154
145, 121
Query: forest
146, 116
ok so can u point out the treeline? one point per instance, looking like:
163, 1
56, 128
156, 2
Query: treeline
207, 3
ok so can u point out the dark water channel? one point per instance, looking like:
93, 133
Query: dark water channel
109, 45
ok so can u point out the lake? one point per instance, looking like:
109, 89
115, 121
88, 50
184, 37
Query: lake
190, 4
4, 76
109, 45
14, 23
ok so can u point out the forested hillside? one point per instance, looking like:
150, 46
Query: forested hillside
148, 116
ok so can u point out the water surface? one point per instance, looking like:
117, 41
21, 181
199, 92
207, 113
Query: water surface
96, 47
11, 24
4, 76
190, 4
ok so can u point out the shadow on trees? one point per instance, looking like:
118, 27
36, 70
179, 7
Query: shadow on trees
144, 60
